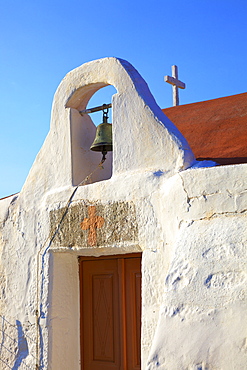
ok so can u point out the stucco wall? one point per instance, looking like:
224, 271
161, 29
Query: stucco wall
189, 223
202, 317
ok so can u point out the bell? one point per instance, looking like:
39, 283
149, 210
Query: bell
103, 138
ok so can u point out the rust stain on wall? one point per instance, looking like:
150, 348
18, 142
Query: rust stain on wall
92, 223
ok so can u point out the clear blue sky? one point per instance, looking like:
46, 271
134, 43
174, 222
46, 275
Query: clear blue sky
43, 40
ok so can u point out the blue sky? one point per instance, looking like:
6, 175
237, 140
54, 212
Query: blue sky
43, 40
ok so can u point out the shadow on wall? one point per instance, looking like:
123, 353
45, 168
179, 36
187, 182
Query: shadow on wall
22, 346
13, 346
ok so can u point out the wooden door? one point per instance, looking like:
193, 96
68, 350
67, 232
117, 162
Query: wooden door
111, 312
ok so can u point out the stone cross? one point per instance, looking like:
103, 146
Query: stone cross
176, 83
92, 223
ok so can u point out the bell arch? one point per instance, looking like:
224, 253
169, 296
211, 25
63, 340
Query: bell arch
137, 119
144, 138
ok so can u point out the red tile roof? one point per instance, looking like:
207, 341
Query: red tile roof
215, 129
8, 196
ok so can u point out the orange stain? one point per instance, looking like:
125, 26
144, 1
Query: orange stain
92, 223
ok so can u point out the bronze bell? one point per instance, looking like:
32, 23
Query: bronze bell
103, 138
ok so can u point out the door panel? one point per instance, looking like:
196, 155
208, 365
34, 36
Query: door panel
133, 312
111, 312
100, 316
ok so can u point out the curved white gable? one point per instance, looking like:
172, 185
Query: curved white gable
143, 137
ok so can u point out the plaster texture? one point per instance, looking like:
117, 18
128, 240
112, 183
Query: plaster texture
188, 222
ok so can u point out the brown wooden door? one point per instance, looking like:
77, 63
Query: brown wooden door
111, 312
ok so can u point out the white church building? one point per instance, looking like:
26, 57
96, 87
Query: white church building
136, 263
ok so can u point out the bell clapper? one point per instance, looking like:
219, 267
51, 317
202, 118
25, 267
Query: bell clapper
104, 152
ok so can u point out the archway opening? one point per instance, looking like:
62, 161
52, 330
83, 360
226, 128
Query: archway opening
85, 162
102, 96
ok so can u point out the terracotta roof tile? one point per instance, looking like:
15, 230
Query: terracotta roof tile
215, 129
8, 196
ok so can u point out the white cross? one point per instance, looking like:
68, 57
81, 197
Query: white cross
176, 83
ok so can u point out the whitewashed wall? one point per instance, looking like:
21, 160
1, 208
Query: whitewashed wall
189, 222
